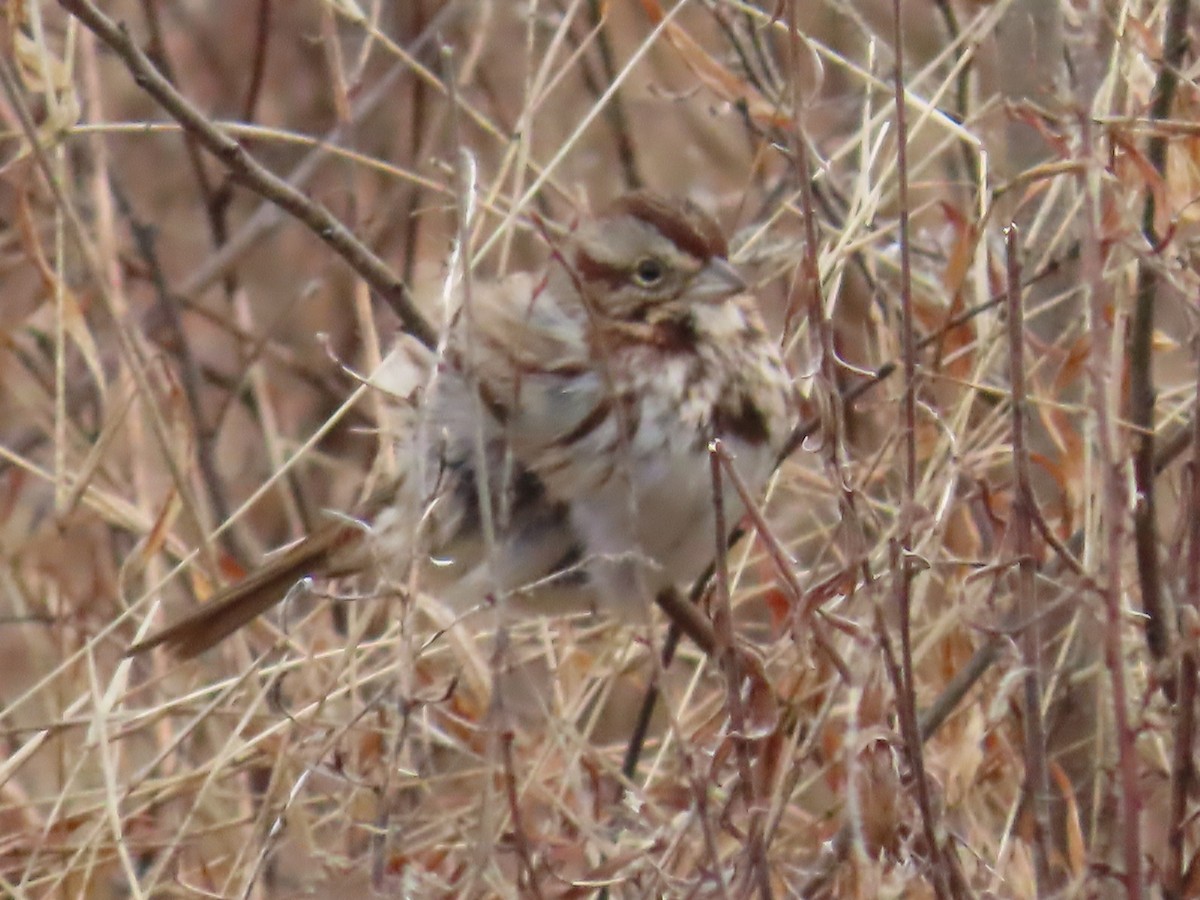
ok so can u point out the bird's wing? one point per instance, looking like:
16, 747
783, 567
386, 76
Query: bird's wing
506, 384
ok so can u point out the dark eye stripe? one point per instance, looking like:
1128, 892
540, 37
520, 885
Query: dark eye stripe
594, 270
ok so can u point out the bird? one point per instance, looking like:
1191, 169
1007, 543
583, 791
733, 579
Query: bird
561, 454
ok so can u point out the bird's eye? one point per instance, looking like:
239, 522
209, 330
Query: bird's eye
648, 272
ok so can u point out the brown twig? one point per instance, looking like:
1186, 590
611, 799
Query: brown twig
189, 375
156, 51
700, 788
906, 691
1183, 773
215, 199
251, 173
962, 87
719, 462
1160, 626
1112, 526
685, 615
756, 64
1183, 766
258, 64
520, 835
1036, 782
419, 133
614, 110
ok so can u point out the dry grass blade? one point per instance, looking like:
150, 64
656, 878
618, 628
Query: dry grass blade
203, 211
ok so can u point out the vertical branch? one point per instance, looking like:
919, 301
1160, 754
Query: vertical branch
614, 110
1036, 784
1112, 518
419, 132
189, 374
962, 88
906, 698
1183, 768
728, 656
520, 835
810, 276
1142, 394
723, 626
156, 52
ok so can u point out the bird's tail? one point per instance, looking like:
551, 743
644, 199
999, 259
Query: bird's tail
232, 607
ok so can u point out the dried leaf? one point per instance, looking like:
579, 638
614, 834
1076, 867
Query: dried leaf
156, 538
962, 250
1076, 850
759, 704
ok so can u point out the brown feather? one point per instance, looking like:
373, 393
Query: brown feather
231, 608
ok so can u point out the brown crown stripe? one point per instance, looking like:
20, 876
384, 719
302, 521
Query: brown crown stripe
686, 225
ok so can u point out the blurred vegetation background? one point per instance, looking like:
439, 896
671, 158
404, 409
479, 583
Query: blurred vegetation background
978, 647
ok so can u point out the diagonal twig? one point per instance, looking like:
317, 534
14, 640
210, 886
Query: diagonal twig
250, 172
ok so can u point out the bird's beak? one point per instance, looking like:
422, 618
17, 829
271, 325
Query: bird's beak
716, 281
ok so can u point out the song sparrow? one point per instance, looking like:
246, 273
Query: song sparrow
563, 447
